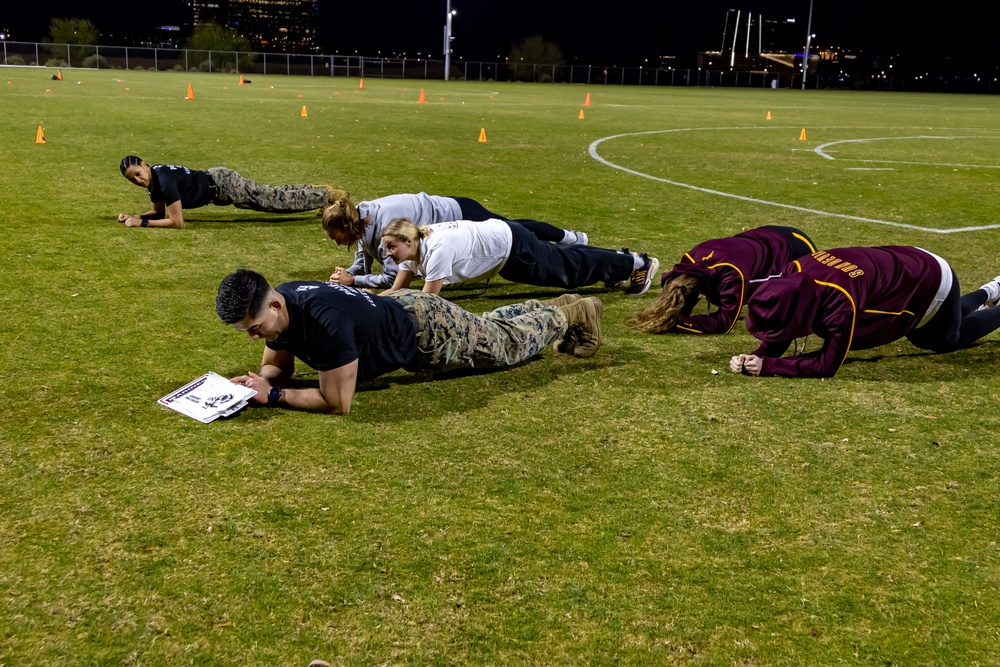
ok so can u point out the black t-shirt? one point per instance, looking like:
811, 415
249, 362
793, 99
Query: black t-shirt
171, 182
331, 325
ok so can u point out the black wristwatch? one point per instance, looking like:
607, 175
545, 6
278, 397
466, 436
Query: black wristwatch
273, 396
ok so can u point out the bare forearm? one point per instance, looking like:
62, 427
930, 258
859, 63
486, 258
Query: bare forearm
157, 220
310, 400
275, 375
165, 223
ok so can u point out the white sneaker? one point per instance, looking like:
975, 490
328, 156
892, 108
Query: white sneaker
574, 237
992, 289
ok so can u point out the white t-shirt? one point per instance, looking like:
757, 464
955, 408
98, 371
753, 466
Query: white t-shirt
462, 251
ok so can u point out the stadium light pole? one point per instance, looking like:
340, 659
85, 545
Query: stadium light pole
805, 56
447, 38
736, 32
725, 32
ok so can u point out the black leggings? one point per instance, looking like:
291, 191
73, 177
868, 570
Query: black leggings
957, 323
543, 231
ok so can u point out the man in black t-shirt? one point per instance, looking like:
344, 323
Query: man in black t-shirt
349, 335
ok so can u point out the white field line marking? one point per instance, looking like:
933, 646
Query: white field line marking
754, 200
821, 151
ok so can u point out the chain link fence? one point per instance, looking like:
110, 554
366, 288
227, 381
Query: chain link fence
38, 54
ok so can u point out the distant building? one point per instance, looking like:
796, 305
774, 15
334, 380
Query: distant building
289, 26
207, 11
753, 42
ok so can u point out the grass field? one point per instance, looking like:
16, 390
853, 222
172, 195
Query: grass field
636, 508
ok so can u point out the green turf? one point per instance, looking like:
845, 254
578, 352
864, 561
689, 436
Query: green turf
634, 508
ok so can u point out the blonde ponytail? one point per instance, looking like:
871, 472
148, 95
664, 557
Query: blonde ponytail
662, 315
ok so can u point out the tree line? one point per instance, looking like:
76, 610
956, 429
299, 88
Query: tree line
225, 43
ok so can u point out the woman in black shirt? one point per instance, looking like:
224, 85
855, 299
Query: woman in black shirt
174, 188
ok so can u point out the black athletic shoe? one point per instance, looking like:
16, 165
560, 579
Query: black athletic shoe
642, 277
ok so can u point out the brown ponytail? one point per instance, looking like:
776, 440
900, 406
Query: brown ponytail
342, 215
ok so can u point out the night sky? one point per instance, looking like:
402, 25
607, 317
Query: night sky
588, 32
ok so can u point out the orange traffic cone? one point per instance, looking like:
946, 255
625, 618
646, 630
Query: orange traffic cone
482, 136
422, 100
581, 114
190, 93
39, 136
304, 113
58, 75
242, 82
587, 101
768, 116
802, 135
362, 84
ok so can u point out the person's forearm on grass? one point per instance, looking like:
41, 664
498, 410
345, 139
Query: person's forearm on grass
169, 217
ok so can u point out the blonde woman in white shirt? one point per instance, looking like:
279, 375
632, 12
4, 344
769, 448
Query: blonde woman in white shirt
465, 251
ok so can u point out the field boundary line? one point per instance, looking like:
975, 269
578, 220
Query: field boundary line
754, 200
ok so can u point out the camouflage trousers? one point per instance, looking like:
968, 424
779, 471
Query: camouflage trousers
243, 193
452, 337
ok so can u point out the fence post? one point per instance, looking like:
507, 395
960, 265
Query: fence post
288, 64
265, 63
69, 58
185, 60
311, 65
126, 57
236, 54
209, 62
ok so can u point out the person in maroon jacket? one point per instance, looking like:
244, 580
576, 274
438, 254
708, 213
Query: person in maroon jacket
859, 298
725, 272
